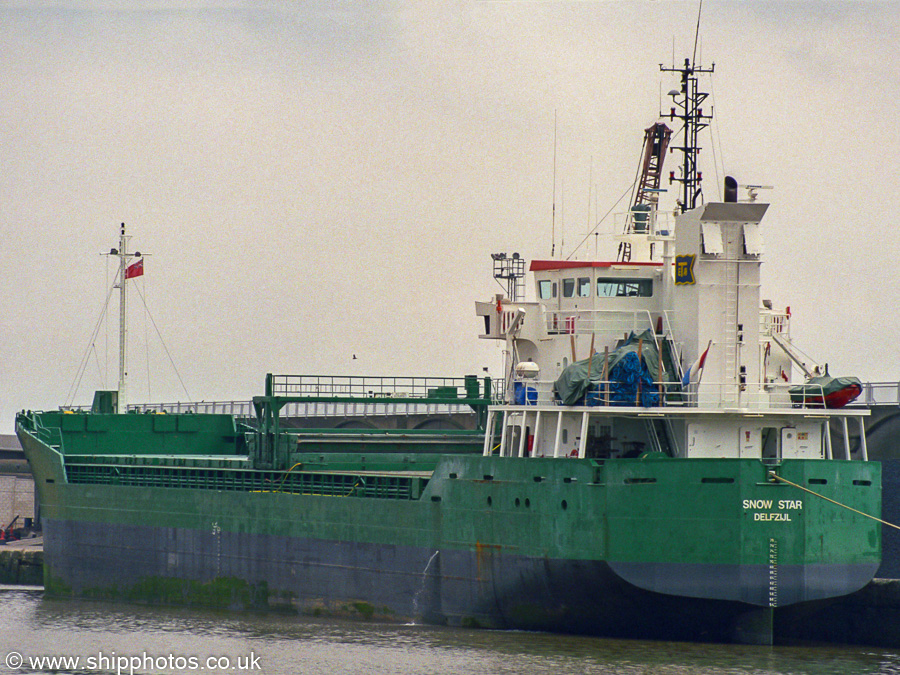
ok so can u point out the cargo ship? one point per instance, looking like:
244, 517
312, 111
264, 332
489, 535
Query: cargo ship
640, 470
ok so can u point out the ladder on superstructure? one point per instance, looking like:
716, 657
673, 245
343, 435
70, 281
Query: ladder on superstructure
730, 290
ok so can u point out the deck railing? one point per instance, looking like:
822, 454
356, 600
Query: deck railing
879, 393
673, 394
775, 395
242, 409
655, 223
600, 321
775, 322
340, 386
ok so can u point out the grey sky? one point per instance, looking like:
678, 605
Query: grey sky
322, 179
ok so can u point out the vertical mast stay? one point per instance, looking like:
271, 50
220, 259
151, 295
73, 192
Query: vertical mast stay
687, 109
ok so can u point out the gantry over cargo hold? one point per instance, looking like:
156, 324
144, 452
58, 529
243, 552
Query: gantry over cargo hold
645, 467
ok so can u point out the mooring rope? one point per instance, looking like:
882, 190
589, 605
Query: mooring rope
774, 475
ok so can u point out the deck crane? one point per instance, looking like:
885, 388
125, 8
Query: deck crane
656, 142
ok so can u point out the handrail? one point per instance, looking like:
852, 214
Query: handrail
236, 408
673, 394
775, 322
359, 387
653, 222
587, 321
874, 394
879, 393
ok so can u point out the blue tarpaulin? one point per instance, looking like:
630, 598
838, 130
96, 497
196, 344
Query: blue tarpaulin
524, 395
580, 383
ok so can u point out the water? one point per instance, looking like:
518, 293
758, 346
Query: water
290, 645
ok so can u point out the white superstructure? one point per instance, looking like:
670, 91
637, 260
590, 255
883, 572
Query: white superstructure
699, 292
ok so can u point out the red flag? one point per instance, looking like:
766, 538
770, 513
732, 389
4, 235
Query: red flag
135, 269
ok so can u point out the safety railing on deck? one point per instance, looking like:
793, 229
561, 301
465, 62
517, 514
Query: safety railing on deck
339, 386
598, 321
774, 322
658, 224
879, 393
32, 422
243, 410
673, 394
236, 408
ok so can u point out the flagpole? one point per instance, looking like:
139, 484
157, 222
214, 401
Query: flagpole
122, 398
126, 272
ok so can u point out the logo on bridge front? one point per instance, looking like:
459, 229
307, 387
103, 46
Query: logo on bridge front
684, 269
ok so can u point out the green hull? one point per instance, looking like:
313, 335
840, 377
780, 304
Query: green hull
168, 508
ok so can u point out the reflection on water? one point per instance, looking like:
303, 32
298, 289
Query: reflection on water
287, 645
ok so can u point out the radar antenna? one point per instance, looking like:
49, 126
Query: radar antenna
687, 108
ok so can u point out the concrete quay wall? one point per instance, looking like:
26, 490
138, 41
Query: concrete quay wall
21, 566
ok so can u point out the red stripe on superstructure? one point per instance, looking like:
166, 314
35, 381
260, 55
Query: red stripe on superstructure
542, 265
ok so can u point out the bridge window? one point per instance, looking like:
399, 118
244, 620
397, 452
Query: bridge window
584, 287
547, 289
568, 288
624, 288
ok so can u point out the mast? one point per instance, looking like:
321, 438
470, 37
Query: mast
122, 402
123, 255
687, 109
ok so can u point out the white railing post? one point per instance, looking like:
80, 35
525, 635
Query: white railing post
582, 442
488, 433
863, 448
523, 432
503, 435
558, 437
846, 438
